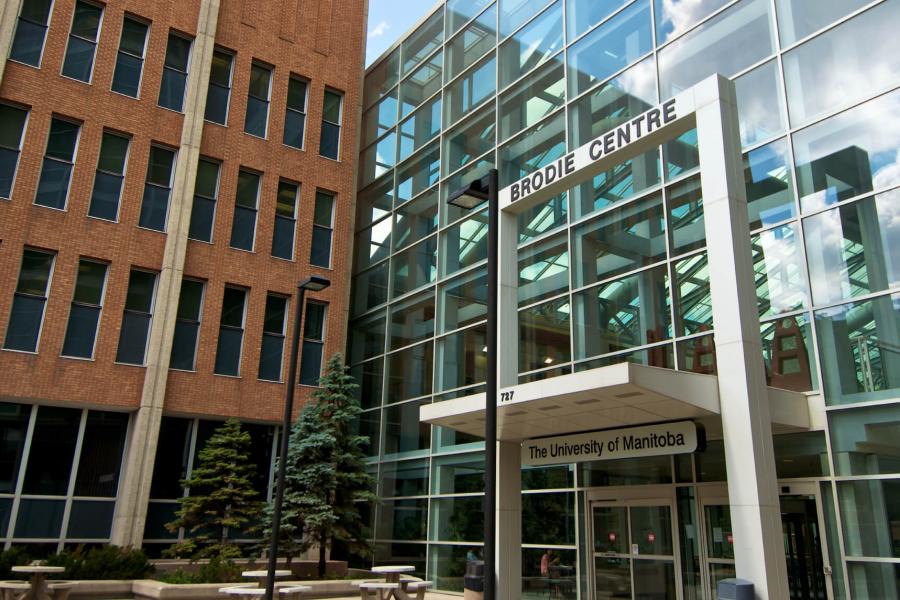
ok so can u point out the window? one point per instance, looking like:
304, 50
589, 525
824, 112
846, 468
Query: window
136, 320
53, 187
243, 229
295, 116
187, 325
330, 138
84, 316
285, 220
31, 30
270, 357
12, 126
79, 61
157, 188
206, 190
109, 177
130, 59
256, 120
231, 332
219, 87
313, 343
320, 254
175, 72
29, 301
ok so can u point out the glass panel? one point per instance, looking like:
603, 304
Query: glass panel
769, 185
374, 202
90, 520
418, 173
367, 337
613, 577
462, 178
469, 90
788, 353
628, 471
39, 518
377, 159
463, 357
409, 373
404, 478
719, 537
731, 41
81, 331
871, 580
543, 269
469, 141
543, 218
423, 83
611, 47
780, 285
423, 40
651, 530
52, 451
537, 147
412, 320
402, 520
697, 355
515, 12
801, 455
544, 335
379, 119
531, 99
154, 207
420, 128
381, 78
549, 519
369, 377
611, 532
799, 18
693, 303
465, 243
62, 139
854, 249
459, 519
851, 61
674, 17
13, 425
681, 155
760, 107
416, 220
620, 240
685, 202
403, 432
172, 450
865, 441
415, 267
531, 45
477, 38
79, 61
632, 311
457, 474
871, 518
460, 11
463, 300
370, 288
372, 245
581, 15
660, 355
848, 154
447, 565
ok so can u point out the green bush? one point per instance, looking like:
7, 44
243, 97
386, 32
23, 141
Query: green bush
103, 562
215, 571
10, 558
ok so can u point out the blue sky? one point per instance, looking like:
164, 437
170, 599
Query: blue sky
390, 19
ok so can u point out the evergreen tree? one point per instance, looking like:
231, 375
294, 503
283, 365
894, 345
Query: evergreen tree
221, 495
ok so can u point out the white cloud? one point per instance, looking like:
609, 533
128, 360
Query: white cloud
379, 29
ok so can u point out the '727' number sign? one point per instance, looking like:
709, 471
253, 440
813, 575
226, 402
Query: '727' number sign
506, 395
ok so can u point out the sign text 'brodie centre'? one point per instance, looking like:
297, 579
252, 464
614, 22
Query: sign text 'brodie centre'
626, 133
680, 437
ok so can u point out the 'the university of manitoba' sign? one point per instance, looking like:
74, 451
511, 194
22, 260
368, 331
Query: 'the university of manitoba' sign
680, 437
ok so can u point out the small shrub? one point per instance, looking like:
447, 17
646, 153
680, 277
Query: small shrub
104, 562
215, 571
9, 559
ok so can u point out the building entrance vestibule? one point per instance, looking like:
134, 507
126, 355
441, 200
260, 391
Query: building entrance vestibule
634, 542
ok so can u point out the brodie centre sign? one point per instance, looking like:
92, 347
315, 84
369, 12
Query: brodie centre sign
680, 437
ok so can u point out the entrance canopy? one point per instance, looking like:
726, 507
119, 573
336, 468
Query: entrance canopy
619, 395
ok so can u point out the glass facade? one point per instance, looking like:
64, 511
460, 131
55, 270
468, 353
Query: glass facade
616, 268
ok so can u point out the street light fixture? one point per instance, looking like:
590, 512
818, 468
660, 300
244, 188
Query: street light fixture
468, 198
313, 283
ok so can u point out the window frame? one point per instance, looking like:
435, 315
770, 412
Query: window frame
70, 162
231, 55
126, 311
186, 73
198, 322
304, 340
254, 210
147, 183
329, 228
98, 307
267, 100
122, 176
242, 329
45, 298
214, 200
282, 336
142, 57
95, 41
340, 95
304, 113
18, 151
293, 220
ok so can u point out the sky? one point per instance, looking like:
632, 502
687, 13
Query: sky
389, 20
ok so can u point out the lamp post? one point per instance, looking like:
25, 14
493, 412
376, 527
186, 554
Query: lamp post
313, 283
468, 198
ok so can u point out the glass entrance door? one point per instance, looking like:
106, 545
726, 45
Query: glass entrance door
634, 550
807, 564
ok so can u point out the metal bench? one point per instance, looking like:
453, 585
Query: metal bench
377, 589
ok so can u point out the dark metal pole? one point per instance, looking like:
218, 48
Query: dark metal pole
490, 408
283, 451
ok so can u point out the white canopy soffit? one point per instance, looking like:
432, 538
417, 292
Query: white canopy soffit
615, 396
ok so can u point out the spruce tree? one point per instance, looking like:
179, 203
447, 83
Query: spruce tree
221, 495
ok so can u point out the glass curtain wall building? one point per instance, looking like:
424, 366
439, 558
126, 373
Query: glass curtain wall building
615, 270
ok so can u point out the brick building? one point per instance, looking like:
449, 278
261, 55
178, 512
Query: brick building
168, 172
